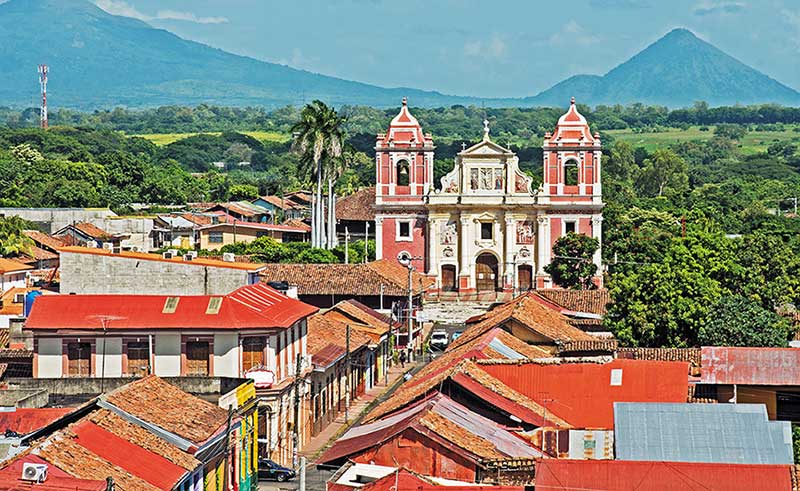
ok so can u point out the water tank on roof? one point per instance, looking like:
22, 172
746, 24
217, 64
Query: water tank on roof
281, 286
29, 298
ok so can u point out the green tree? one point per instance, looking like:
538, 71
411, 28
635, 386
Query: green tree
13, 240
735, 320
572, 266
236, 153
662, 171
731, 131
268, 250
318, 139
316, 255
243, 192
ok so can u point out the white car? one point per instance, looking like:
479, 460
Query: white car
439, 340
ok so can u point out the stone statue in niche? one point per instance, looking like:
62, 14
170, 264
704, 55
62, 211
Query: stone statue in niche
449, 233
486, 178
524, 232
498, 179
473, 179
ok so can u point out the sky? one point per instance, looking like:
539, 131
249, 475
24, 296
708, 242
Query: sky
487, 48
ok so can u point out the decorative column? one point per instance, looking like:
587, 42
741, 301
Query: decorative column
433, 241
543, 244
597, 233
465, 241
510, 236
378, 237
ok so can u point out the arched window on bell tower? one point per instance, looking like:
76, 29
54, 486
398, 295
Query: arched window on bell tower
571, 173
402, 173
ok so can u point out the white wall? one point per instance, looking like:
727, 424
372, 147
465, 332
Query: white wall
167, 351
226, 354
49, 359
113, 355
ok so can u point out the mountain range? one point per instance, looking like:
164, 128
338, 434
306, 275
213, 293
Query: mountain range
101, 60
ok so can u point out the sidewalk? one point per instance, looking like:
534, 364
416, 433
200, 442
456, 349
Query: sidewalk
322, 441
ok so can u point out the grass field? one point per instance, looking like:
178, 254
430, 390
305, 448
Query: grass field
753, 141
162, 139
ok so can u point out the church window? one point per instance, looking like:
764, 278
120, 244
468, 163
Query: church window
570, 227
403, 230
402, 173
486, 230
571, 173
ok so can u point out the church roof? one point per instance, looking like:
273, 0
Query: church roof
405, 131
572, 128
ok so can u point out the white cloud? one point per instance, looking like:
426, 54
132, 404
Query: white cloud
793, 19
120, 7
493, 48
189, 17
712, 7
573, 33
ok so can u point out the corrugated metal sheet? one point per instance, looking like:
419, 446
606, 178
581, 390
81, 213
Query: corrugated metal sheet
504, 350
750, 366
582, 394
616, 475
709, 433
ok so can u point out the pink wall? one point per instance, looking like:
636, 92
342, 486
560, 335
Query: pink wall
416, 247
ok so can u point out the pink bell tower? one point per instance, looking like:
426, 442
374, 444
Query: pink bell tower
571, 189
404, 175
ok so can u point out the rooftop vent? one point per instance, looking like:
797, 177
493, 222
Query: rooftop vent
229, 257
171, 305
34, 472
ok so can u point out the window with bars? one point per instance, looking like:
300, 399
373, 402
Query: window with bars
215, 237
138, 359
197, 356
79, 359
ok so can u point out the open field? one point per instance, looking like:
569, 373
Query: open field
753, 142
162, 139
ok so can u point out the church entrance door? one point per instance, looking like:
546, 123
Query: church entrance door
486, 273
449, 278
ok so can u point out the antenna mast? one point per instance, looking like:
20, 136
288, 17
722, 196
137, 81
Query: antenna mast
43, 83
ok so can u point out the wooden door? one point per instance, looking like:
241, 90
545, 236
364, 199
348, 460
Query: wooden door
486, 273
448, 278
197, 354
253, 353
525, 278
79, 359
138, 359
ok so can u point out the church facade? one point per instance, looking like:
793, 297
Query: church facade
487, 229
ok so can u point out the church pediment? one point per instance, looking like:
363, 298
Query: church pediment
485, 147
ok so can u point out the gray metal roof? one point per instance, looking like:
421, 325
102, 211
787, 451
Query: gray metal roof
504, 350
711, 433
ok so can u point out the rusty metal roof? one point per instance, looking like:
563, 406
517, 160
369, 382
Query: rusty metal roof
750, 366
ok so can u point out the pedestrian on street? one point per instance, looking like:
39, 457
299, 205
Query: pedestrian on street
403, 358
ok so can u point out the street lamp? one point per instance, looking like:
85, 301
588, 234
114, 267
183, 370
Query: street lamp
407, 260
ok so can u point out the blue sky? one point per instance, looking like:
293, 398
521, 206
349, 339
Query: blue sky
475, 47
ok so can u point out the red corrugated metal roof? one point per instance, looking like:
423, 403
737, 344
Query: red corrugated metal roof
582, 394
27, 420
619, 475
57, 479
750, 366
403, 480
253, 306
149, 466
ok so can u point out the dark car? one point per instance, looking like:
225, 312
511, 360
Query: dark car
268, 469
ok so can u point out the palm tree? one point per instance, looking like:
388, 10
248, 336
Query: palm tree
318, 137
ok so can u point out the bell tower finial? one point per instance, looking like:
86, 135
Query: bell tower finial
572, 101
405, 101
486, 129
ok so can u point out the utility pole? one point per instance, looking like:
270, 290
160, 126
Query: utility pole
296, 433
347, 374
410, 315
366, 240
346, 246
227, 450
302, 474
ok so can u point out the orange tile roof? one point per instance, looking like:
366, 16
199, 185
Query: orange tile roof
7, 304
46, 241
529, 312
35, 254
323, 330
92, 230
359, 206
143, 438
198, 261
361, 317
158, 402
12, 266
589, 301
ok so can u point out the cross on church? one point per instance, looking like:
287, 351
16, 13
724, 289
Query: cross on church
463, 146
486, 127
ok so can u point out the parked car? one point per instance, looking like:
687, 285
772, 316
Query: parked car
268, 469
439, 340
456, 335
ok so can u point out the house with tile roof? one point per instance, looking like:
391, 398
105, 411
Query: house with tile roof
399, 479
13, 274
88, 234
355, 215
149, 435
215, 236
57, 480
254, 332
437, 437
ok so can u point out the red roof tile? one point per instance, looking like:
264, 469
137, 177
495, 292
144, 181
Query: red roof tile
359, 206
13, 266
93, 231
158, 402
587, 301
151, 467
28, 420
750, 366
620, 475
57, 480
253, 306
404, 480
583, 394
45, 241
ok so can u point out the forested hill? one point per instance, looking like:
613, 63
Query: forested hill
98, 60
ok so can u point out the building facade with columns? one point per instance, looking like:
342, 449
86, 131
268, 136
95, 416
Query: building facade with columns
487, 229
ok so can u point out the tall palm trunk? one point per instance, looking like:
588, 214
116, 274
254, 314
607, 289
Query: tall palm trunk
320, 209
